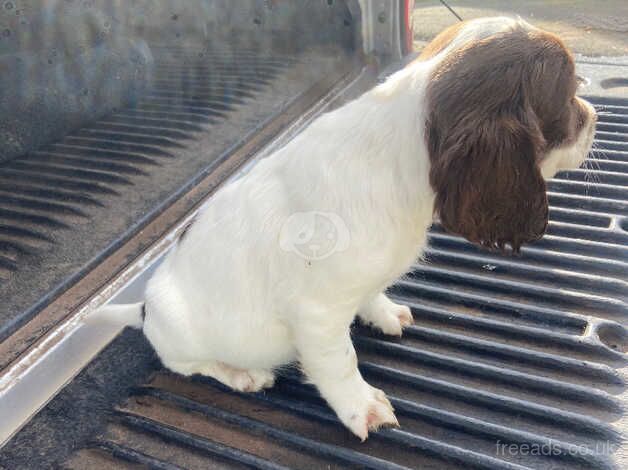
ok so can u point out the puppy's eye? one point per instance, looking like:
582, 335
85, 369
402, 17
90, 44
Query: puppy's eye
580, 81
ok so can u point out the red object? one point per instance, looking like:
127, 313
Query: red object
406, 24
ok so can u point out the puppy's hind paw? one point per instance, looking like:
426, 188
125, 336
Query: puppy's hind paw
252, 380
241, 380
404, 314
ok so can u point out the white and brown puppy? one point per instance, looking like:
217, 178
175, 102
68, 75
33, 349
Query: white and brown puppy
279, 263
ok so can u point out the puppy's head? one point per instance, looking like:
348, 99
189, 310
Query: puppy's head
502, 116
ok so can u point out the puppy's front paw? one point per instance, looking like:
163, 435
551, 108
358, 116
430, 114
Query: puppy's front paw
368, 413
392, 319
383, 314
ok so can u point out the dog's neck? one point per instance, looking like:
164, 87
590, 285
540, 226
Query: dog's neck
401, 100
376, 141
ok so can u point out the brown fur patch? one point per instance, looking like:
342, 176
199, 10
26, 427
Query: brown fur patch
496, 107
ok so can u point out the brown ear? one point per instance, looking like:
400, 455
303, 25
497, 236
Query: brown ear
485, 141
488, 186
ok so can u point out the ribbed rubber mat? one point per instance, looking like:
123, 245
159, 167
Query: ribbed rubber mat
513, 362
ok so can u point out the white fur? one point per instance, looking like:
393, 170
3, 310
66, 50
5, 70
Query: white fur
236, 298
233, 293
566, 158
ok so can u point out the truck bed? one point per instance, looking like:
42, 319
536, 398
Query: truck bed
506, 352
513, 362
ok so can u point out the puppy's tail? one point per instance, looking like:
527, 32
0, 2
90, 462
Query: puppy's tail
122, 315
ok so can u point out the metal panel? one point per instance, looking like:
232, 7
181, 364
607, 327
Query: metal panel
66, 205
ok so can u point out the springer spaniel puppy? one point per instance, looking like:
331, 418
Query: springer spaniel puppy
278, 263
